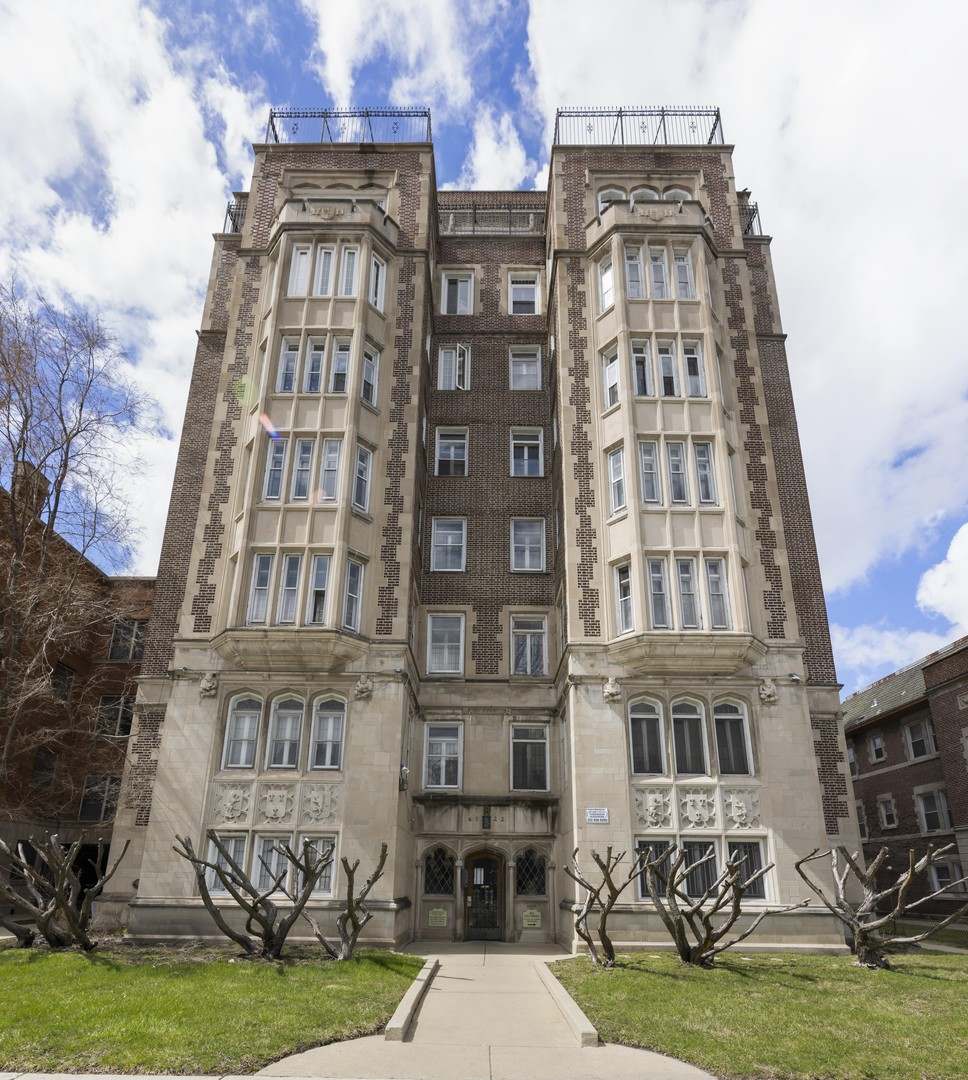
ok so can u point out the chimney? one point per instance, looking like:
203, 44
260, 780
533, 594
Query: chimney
30, 486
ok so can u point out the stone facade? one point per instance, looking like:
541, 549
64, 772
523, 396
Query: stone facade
482, 546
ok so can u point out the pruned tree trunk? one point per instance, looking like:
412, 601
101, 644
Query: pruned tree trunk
612, 888
355, 914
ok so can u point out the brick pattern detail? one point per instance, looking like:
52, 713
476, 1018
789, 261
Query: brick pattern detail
218, 315
225, 443
140, 784
830, 769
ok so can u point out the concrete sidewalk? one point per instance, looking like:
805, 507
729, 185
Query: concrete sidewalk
487, 1015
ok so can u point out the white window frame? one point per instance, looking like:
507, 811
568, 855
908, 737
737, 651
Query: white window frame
348, 270
658, 274
449, 658
702, 453
322, 844
317, 591
328, 736
610, 195
288, 744
606, 283
454, 367
728, 717
528, 362
353, 595
236, 845
529, 740
446, 466
876, 748
519, 280
329, 469
527, 439
269, 861
315, 361
377, 288
442, 548
634, 278
527, 549
647, 710
274, 482
685, 279
676, 472
362, 478
717, 592
886, 811
288, 365
642, 365
668, 362
611, 388
698, 717
339, 367
953, 873
452, 750
624, 604
299, 260
531, 630
370, 382
939, 797
650, 474
247, 740
259, 589
657, 571
688, 590
302, 470
323, 270
287, 593
616, 479
463, 297
693, 369
927, 738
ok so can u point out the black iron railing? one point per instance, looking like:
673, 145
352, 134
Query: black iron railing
348, 125
235, 214
749, 219
509, 220
674, 125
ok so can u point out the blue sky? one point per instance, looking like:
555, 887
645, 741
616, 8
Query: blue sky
126, 126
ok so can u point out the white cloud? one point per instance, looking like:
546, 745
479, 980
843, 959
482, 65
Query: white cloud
865, 653
497, 160
943, 590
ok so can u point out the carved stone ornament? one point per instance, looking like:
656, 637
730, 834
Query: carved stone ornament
657, 213
363, 690
327, 213
275, 802
232, 802
768, 692
208, 685
697, 809
320, 803
611, 691
742, 808
653, 808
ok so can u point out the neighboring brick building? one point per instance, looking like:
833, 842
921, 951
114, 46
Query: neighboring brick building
907, 742
489, 538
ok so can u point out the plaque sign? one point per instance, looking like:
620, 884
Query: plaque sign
596, 815
531, 918
437, 916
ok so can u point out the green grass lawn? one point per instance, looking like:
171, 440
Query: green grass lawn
950, 935
790, 1017
133, 1010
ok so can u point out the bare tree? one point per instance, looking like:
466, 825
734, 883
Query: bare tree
67, 412
603, 897
872, 919
57, 901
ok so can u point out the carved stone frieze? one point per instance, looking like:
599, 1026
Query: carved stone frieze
741, 807
276, 803
232, 802
697, 808
320, 803
653, 808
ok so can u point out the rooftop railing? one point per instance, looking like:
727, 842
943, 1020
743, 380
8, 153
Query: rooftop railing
675, 126
235, 214
475, 221
348, 125
749, 219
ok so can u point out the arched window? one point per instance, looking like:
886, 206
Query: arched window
645, 729
608, 196
242, 734
285, 730
530, 874
439, 873
643, 194
676, 194
326, 743
687, 737
731, 747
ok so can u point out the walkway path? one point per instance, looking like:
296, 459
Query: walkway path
486, 1016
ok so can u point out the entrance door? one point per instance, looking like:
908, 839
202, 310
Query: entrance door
484, 897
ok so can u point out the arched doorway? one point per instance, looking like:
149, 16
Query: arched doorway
484, 897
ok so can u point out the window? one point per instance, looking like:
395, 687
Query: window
659, 273
947, 876
285, 729
606, 284
347, 278
275, 465
289, 589
259, 597
645, 731
525, 369
99, 799
329, 470
730, 723
445, 644
527, 544
610, 378
676, 194
361, 481
319, 846
705, 477
302, 469
448, 544
527, 452
272, 866
454, 367
114, 715
920, 738
701, 855
689, 613
313, 378
634, 281
643, 194
748, 855
624, 619
241, 734
128, 639
609, 196
528, 638
861, 820
687, 738
438, 873
457, 294
529, 758
685, 284
319, 582
649, 472
656, 849
718, 596
695, 377
616, 479
933, 810
353, 596
668, 369
286, 378
875, 748
523, 294
851, 759
530, 875
326, 744
658, 594
371, 372
378, 273
642, 368
234, 845
442, 759
323, 277
339, 367
886, 812
299, 271
451, 453
676, 462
